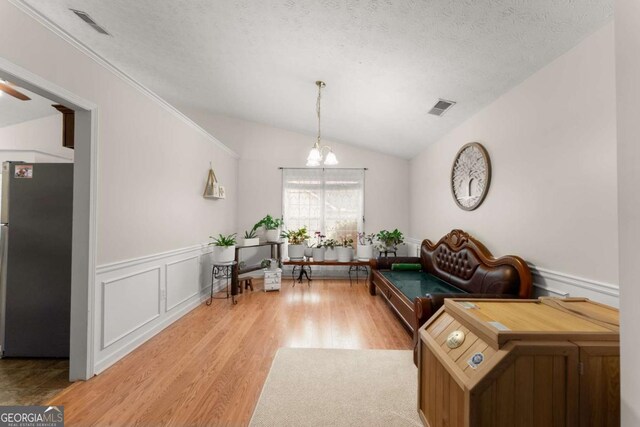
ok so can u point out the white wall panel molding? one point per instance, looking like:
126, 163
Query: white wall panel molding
554, 283
50, 25
182, 281
138, 298
119, 265
128, 303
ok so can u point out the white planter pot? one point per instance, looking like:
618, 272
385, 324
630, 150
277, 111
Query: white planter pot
296, 252
224, 254
344, 254
251, 242
365, 252
330, 254
308, 252
272, 235
318, 254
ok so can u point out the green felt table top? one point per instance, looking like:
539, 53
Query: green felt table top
417, 283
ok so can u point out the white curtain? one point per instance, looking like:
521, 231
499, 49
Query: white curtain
327, 200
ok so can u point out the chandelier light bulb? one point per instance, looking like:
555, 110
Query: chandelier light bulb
331, 159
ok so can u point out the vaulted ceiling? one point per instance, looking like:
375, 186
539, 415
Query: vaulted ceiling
385, 63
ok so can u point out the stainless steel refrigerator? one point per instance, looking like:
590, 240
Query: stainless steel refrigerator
35, 248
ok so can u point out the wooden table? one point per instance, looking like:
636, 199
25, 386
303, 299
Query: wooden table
355, 265
276, 253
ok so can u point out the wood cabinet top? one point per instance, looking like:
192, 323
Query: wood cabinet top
546, 318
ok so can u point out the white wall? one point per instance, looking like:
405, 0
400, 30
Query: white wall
627, 15
553, 199
39, 136
152, 169
263, 149
152, 165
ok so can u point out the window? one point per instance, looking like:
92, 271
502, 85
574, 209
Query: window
326, 200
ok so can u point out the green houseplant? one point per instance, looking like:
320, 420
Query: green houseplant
271, 226
389, 240
251, 237
224, 248
297, 242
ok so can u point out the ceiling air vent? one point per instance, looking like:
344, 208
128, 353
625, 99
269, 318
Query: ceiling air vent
441, 106
86, 18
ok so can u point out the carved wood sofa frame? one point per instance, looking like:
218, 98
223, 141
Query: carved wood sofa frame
458, 259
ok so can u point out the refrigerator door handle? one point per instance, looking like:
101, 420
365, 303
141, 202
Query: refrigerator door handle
4, 236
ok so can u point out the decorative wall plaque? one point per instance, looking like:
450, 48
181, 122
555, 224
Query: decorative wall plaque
470, 176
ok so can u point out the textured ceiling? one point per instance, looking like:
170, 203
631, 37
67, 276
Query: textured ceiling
14, 111
385, 62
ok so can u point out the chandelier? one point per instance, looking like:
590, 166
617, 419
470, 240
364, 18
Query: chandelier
315, 155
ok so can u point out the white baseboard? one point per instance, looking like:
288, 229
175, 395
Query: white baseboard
138, 298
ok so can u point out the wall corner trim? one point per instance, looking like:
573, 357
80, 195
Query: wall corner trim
57, 30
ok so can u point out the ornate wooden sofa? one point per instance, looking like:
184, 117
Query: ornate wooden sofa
458, 266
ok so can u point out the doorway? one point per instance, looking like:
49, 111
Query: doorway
83, 244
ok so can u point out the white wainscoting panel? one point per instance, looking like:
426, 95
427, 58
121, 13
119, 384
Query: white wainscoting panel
137, 298
183, 281
128, 303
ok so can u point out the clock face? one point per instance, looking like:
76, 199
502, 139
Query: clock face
470, 176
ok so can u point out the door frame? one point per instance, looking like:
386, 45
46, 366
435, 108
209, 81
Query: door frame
85, 189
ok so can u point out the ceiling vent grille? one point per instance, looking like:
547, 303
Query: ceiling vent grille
86, 18
441, 107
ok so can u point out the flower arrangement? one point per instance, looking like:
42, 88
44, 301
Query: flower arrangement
366, 239
319, 239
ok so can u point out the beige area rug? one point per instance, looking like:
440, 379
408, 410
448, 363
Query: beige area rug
324, 387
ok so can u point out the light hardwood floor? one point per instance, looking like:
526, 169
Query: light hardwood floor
208, 368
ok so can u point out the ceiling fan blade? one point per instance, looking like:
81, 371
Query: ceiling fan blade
11, 91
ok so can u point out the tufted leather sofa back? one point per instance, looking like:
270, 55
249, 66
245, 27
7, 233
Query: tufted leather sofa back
465, 269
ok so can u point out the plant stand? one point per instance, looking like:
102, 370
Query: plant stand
222, 270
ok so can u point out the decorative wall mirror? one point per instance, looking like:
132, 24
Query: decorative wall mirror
470, 176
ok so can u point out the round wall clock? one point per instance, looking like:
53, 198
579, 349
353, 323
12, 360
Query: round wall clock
470, 176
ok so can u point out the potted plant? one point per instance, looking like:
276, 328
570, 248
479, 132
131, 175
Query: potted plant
330, 253
270, 264
365, 246
308, 249
297, 243
345, 250
318, 251
389, 240
251, 237
271, 226
224, 248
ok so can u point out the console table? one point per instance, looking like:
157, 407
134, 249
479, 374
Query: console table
276, 253
304, 267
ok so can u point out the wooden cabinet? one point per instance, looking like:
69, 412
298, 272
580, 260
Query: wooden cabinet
545, 362
272, 279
